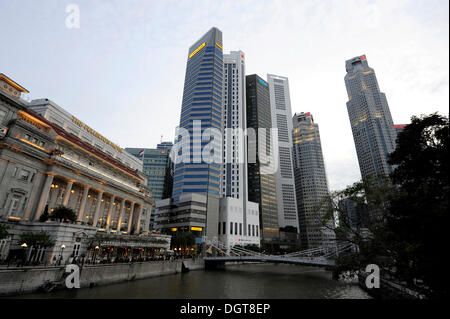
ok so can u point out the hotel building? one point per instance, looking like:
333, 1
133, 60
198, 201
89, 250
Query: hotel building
50, 158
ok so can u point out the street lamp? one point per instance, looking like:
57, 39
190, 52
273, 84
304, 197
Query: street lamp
24, 246
62, 253
95, 252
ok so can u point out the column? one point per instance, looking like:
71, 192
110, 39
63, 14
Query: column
138, 221
130, 220
44, 197
83, 204
122, 212
67, 193
97, 208
108, 218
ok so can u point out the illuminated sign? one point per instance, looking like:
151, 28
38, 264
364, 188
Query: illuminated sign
219, 46
262, 82
201, 46
197, 228
96, 134
174, 229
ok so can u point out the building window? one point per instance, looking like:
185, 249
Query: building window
24, 175
253, 230
224, 224
231, 228
240, 228
235, 228
2, 115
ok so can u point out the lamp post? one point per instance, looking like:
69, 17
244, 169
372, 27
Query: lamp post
24, 246
62, 253
95, 252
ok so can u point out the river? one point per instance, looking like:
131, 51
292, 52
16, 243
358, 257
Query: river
258, 281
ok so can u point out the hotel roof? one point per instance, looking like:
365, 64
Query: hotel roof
14, 84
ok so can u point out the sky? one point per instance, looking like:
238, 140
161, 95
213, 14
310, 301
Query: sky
121, 69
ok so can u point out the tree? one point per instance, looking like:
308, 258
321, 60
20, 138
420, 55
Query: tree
408, 213
36, 240
3, 231
63, 213
418, 215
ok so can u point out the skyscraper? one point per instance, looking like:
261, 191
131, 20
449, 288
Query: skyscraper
234, 174
157, 169
280, 102
310, 183
261, 158
198, 147
372, 126
239, 218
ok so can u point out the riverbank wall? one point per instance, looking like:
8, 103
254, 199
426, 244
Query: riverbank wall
389, 290
17, 281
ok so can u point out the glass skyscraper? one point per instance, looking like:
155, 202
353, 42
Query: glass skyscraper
156, 167
371, 121
201, 116
261, 168
310, 183
197, 153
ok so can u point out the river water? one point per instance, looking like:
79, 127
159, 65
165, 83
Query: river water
277, 281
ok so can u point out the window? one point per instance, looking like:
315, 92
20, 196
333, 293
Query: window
14, 204
240, 228
224, 224
231, 228
253, 230
2, 115
24, 175
235, 228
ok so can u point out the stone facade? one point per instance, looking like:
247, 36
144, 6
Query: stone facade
49, 158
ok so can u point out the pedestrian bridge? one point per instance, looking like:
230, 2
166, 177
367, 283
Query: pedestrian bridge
316, 257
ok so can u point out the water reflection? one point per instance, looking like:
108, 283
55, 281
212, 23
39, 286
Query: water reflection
277, 281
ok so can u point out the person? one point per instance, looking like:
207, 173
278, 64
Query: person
54, 260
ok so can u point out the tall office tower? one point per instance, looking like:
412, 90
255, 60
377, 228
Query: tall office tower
234, 174
261, 158
310, 183
201, 117
157, 169
280, 103
238, 218
372, 126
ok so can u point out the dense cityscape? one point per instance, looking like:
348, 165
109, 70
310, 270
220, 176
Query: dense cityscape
243, 177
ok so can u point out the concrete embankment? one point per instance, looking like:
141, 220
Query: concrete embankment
16, 281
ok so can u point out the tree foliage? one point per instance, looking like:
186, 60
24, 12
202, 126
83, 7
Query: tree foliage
63, 213
3, 231
406, 215
418, 214
41, 239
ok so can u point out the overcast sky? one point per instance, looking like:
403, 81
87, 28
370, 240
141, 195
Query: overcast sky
122, 71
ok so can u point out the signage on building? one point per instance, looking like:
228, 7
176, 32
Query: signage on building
95, 133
